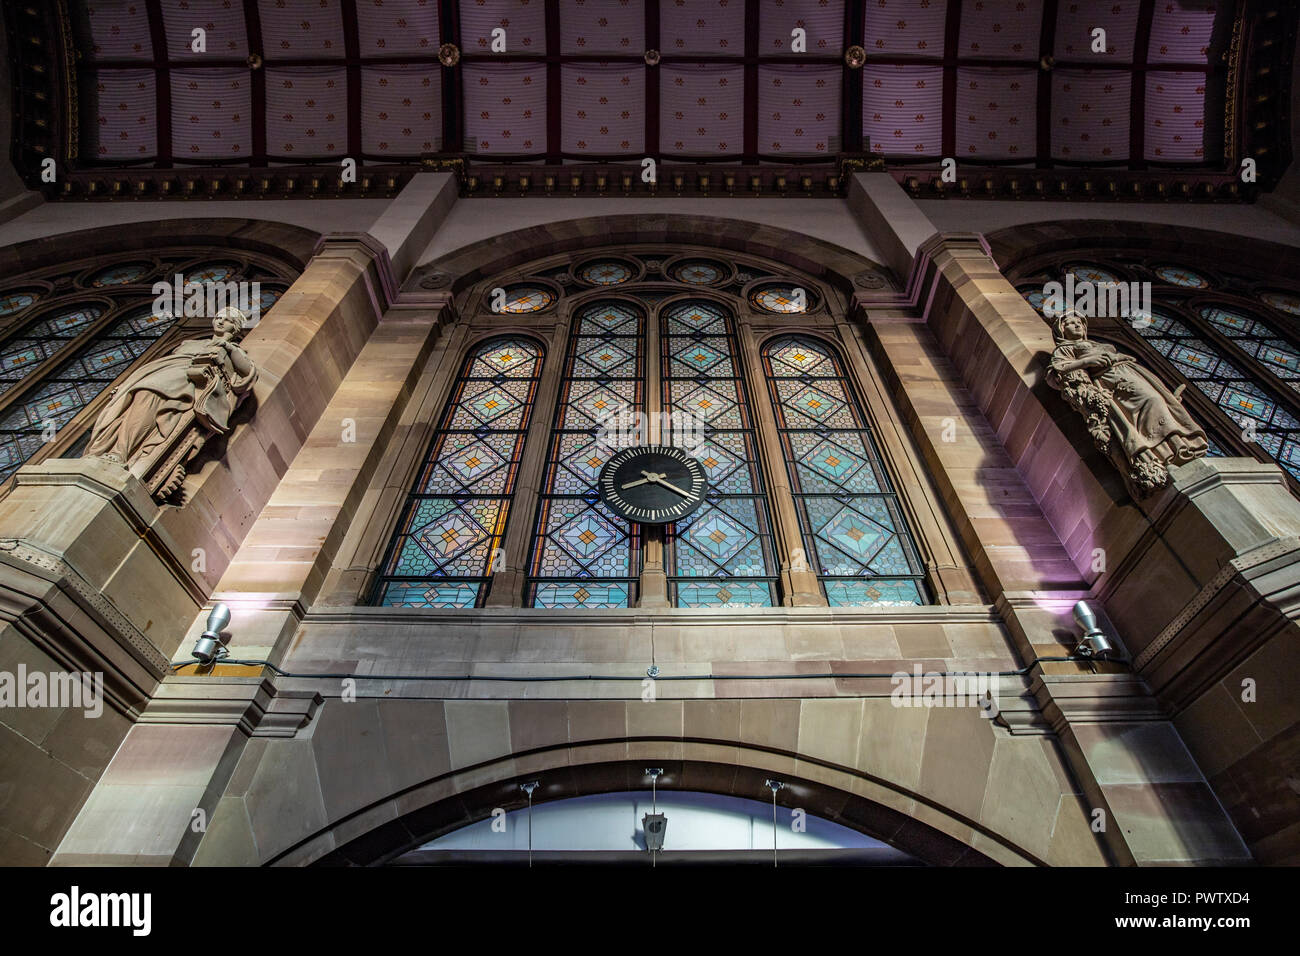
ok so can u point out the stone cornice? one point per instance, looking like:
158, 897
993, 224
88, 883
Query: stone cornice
253, 704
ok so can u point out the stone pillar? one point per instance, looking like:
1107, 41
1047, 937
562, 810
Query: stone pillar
93, 573
281, 565
1010, 506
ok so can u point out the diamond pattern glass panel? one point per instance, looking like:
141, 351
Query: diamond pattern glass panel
76, 381
41, 340
722, 554
1218, 375
855, 537
446, 547
582, 554
1256, 337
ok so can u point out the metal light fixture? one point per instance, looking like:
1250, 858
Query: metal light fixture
1095, 644
208, 647
654, 824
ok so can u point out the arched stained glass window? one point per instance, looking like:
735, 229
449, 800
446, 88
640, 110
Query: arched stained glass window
74, 384
857, 540
721, 555
456, 514
583, 555
1227, 385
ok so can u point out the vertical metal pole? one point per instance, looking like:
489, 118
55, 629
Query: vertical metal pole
774, 786
528, 788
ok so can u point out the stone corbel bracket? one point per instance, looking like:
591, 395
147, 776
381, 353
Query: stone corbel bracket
129, 661
1254, 590
253, 704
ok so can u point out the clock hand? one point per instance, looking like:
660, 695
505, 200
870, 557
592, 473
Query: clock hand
671, 487
650, 477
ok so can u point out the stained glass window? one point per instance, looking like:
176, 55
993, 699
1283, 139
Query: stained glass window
1090, 273
42, 340
583, 555
123, 274
211, 272
1177, 275
12, 302
856, 539
699, 272
606, 272
1256, 337
451, 528
1283, 301
527, 298
780, 298
721, 555
26, 425
1236, 392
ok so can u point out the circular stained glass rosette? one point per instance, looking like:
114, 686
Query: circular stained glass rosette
1088, 273
123, 274
11, 302
1035, 297
699, 272
605, 273
268, 298
1177, 275
780, 298
1283, 301
527, 298
212, 272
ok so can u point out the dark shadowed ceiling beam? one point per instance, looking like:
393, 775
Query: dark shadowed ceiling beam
352, 57
1137, 119
951, 33
554, 98
453, 105
652, 81
1046, 41
253, 27
750, 154
162, 82
851, 95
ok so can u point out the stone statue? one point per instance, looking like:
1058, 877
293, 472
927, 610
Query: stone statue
1124, 405
161, 415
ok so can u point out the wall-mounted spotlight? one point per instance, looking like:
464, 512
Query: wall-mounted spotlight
1095, 644
208, 647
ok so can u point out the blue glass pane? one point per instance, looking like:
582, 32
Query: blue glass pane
74, 382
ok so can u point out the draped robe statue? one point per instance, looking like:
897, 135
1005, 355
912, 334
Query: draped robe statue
1128, 409
160, 416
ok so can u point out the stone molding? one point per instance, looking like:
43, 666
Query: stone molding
68, 579
253, 704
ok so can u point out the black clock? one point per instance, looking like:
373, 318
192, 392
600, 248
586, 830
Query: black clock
653, 484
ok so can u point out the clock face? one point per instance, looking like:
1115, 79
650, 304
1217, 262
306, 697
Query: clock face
653, 484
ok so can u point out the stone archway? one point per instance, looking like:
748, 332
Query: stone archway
569, 774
